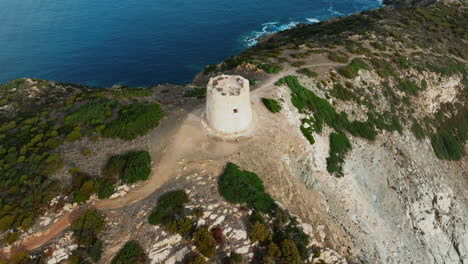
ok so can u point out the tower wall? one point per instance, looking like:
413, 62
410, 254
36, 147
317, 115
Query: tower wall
228, 108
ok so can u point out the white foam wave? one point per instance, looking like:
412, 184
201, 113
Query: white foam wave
267, 28
312, 20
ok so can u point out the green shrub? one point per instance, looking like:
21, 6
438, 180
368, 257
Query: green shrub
130, 167
339, 147
417, 130
239, 186
169, 207
298, 64
234, 258
93, 113
408, 87
205, 242
131, 253
199, 93
259, 232
447, 146
351, 70
307, 72
5, 222
289, 252
134, 120
106, 189
342, 93
74, 135
95, 251
271, 104
423, 85
270, 68
196, 259
137, 168
87, 227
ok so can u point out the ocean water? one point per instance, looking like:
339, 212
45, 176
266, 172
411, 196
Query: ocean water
144, 42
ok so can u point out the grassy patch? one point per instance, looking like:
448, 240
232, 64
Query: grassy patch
271, 104
93, 113
134, 120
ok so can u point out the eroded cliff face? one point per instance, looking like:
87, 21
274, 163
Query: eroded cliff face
397, 201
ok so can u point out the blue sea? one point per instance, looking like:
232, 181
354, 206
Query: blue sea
142, 42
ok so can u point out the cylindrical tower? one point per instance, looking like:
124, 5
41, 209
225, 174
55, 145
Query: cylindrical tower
228, 108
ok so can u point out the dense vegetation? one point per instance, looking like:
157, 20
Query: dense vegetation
170, 212
130, 253
197, 92
239, 186
134, 120
86, 229
33, 127
271, 104
129, 168
280, 238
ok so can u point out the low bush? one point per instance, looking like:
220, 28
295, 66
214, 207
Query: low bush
239, 186
87, 227
417, 130
270, 68
259, 232
169, 207
289, 252
134, 120
196, 259
351, 70
307, 72
338, 57
339, 147
408, 87
271, 104
131, 253
95, 251
205, 242
197, 92
130, 167
90, 114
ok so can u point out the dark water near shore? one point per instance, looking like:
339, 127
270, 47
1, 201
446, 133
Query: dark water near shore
104, 42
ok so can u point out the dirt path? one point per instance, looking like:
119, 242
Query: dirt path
38, 239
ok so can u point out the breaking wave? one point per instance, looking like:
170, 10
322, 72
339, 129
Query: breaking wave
271, 27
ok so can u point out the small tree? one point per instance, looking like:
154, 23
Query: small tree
289, 252
87, 226
259, 232
205, 242
131, 253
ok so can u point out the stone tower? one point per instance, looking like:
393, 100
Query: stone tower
228, 107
